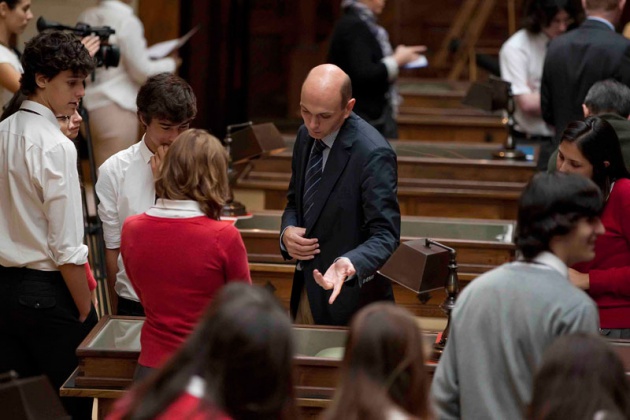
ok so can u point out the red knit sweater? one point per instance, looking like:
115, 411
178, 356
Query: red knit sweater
189, 406
176, 265
609, 271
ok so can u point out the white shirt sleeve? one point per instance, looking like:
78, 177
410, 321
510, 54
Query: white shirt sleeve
513, 62
59, 181
133, 49
106, 189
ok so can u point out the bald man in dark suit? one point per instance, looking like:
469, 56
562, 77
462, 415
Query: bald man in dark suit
343, 222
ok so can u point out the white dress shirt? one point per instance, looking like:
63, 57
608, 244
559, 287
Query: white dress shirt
522, 58
41, 217
9, 57
125, 187
120, 85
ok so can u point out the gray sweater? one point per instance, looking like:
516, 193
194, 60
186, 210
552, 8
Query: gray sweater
502, 323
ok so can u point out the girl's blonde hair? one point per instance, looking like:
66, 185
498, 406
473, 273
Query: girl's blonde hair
195, 168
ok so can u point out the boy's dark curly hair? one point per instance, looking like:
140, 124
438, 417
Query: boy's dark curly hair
551, 205
166, 96
51, 52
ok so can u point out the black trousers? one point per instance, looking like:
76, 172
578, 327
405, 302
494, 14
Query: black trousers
129, 307
40, 330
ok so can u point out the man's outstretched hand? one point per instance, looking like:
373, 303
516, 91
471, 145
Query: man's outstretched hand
335, 277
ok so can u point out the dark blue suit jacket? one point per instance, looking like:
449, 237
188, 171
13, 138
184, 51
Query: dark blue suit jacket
357, 216
574, 62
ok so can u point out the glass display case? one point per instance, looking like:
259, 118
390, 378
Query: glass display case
108, 355
480, 244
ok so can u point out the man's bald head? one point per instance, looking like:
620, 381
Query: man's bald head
331, 78
326, 100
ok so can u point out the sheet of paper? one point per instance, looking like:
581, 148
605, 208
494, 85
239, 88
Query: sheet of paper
165, 48
417, 63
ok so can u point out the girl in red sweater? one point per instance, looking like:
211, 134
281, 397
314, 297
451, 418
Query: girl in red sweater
179, 254
591, 148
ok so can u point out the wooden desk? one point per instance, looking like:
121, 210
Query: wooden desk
432, 110
432, 93
316, 376
476, 129
422, 160
435, 179
481, 245
417, 198
315, 366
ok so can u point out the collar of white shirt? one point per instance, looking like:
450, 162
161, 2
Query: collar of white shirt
40, 109
175, 209
144, 151
548, 259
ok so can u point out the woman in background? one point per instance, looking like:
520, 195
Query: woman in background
235, 365
382, 374
14, 16
521, 60
580, 378
361, 48
179, 254
591, 148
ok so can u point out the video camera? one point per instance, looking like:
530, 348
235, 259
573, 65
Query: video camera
107, 55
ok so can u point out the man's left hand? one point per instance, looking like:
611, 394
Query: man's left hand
335, 276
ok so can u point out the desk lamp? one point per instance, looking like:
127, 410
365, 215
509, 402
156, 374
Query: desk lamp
424, 265
244, 142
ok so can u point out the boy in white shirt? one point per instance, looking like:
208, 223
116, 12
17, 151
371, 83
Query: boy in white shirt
45, 306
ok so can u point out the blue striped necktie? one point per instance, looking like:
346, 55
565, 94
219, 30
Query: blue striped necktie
313, 177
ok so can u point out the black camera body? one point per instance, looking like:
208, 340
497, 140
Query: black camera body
108, 55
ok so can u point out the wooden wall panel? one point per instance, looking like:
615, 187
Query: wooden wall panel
161, 19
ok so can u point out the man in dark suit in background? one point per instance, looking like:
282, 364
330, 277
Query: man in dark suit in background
579, 58
342, 217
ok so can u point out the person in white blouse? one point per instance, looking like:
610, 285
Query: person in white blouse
45, 306
14, 16
111, 97
521, 60
125, 187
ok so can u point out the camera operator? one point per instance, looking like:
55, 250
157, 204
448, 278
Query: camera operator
111, 97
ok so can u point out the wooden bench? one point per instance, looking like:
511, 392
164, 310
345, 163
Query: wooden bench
432, 93
445, 127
